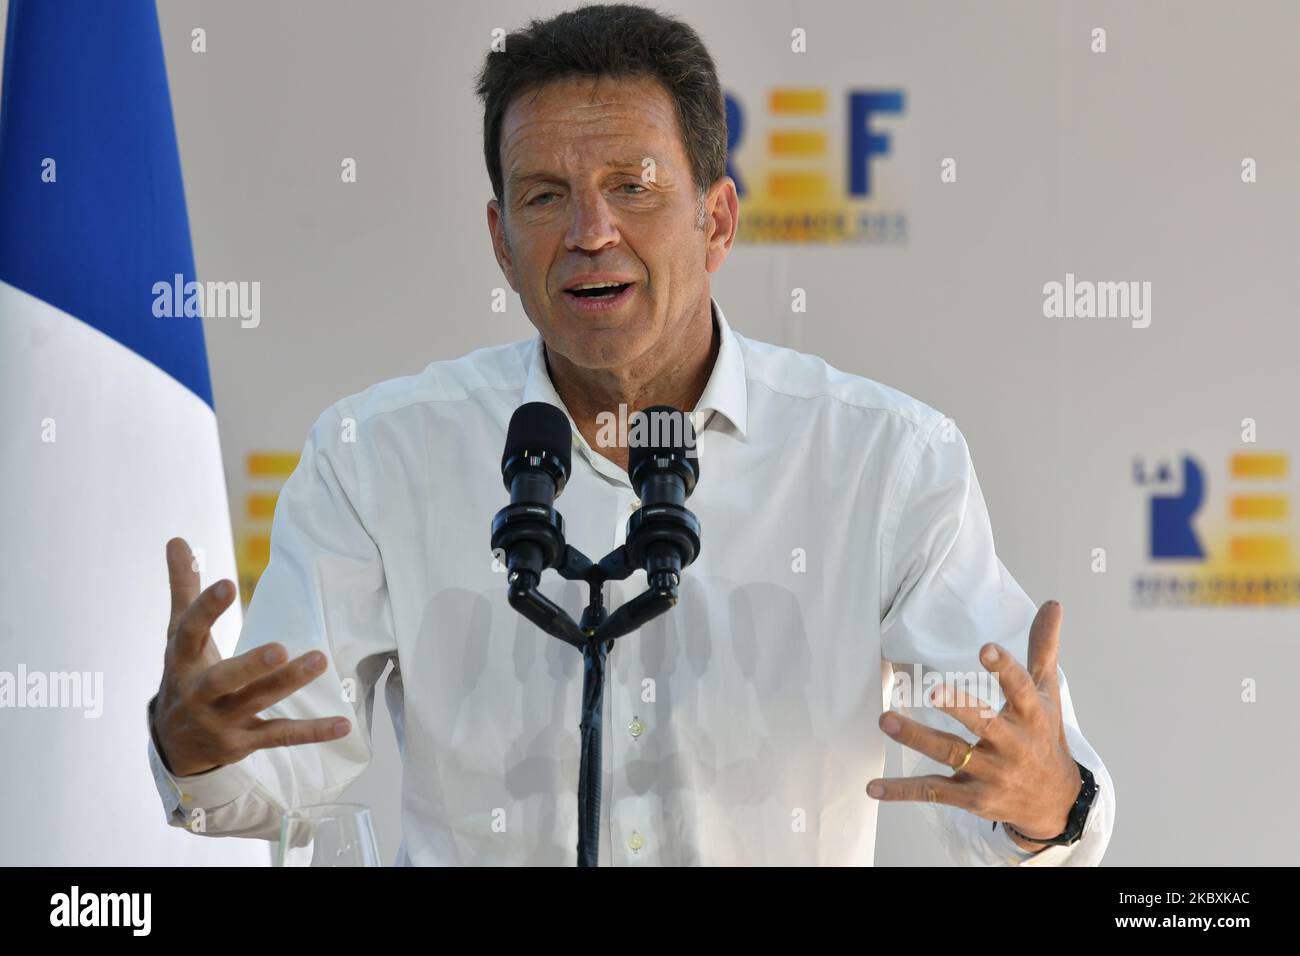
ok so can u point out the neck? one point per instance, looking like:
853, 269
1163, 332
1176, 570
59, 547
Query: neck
672, 373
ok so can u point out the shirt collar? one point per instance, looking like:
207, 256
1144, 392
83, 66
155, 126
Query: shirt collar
725, 391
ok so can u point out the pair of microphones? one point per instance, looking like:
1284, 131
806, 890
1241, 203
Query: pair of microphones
663, 467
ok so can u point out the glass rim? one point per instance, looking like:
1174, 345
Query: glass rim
316, 808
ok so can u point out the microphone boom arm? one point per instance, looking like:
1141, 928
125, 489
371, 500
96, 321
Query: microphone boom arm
542, 611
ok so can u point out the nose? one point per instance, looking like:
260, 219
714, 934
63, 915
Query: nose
591, 225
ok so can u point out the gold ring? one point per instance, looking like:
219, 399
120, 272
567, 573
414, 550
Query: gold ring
970, 749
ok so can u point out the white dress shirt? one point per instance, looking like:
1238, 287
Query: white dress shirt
843, 534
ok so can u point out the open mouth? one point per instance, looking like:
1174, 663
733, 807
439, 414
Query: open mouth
592, 298
598, 290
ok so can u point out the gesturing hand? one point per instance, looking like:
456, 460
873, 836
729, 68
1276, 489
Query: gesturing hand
206, 711
1020, 771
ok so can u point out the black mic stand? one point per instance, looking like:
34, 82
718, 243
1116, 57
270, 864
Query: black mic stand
533, 536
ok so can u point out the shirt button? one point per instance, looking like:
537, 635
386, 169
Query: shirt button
635, 841
636, 728
632, 506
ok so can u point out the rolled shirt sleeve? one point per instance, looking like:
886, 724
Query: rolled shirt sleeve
324, 588
948, 594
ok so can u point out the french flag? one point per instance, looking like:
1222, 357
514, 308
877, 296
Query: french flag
109, 445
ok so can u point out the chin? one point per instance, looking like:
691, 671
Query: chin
597, 347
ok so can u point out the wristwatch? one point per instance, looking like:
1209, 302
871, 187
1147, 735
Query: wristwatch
1078, 815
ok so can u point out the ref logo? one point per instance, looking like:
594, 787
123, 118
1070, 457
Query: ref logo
812, 167
1233, 547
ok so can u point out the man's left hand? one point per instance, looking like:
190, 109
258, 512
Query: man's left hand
1021, 771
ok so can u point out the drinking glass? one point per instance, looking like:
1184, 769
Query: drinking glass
328, 834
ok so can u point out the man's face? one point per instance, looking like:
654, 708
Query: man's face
598, 187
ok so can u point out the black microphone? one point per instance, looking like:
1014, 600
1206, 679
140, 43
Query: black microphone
534, 467
663, 536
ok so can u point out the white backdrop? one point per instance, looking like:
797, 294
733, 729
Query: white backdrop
1122, 165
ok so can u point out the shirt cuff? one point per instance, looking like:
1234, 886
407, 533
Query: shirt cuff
1008, 849
208, 790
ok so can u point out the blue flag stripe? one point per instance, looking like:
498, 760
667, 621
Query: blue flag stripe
85, 84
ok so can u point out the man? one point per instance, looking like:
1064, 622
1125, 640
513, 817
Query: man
844, 531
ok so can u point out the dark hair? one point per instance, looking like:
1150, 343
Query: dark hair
615, 40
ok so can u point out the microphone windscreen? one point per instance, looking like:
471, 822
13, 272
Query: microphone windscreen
665, 430
537, 427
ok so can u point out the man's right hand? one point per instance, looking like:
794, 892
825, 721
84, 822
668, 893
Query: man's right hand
206, 711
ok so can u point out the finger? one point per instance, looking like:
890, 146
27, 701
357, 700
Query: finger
230, 675
184, 579
283, 732
197, 620
929, 788
971, 712
1016, 684
948, 749
1045, 649
265, 691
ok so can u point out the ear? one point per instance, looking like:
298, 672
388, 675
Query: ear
500, 244
722, 207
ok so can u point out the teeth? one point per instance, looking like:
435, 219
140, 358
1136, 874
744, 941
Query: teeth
593, 285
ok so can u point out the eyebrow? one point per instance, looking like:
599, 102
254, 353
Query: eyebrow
531, 174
